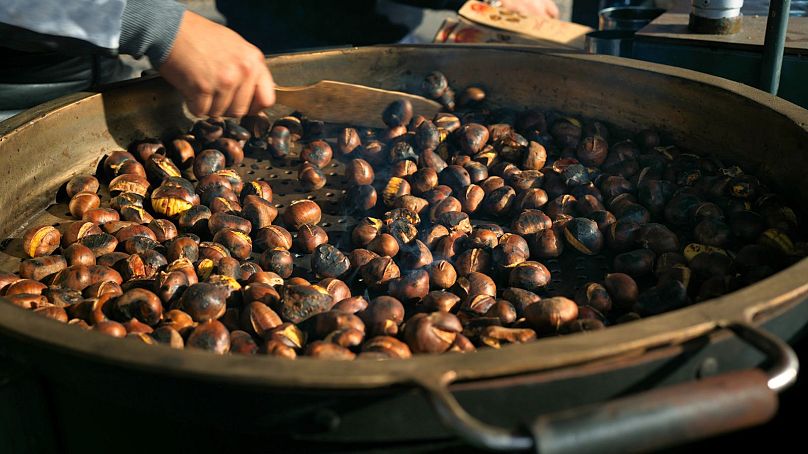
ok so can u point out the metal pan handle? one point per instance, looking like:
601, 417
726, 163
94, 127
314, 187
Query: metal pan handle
642, 422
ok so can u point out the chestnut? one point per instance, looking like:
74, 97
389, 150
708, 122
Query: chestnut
473, 137
395, 188
258, 211
309, 237
328, 350
385, 347
221, 221
499, 201
41, 240
622, 289
535, 156
529, 275
53, 313
472, 260
434, 85
164, 230
531, 221
126, 198
238, 243
258, 319
210, 335
595, 296
83, 202
548, 315
411, 286
592, 151
747, 225
100, 244
666, 296
81, 183
208, 162
360, 199
40, 268
338, 289
270, 237
365, 231
168, 336
27, 286
397, 113
300, 302
383, 316
658, 238
194, 219
301, 212
476, 284
204, 301
258, 188
482, 238
621, 235
328, 261
359, 172
172, 201
432, 333
183, 247
348, 141
232, 150
140, 304
379, 271
384, 244
114, 160
110, 328
207, 130
181, 152
637, 263
159, 167
318, 153
135, 214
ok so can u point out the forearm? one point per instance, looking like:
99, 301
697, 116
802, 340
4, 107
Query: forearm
149, 27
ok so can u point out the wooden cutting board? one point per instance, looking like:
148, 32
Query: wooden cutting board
545, 29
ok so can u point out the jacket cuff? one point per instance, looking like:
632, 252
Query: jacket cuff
149, 27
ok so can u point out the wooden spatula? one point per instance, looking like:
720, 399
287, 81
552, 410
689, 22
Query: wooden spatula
340, 102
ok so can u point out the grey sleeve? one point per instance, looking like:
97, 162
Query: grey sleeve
149, 27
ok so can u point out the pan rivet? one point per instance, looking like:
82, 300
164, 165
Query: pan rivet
707, 368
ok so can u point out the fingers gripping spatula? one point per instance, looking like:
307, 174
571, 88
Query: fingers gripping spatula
340, 102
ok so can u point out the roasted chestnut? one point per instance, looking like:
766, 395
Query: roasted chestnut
397, 113
301, 212
548, 315
309, 237
41, 240
328, 261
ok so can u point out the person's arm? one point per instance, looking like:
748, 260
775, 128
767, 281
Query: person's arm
217, 71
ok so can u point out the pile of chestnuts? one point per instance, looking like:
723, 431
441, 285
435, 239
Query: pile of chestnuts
454, 221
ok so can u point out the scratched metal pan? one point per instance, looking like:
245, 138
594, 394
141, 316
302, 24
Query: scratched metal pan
519, 397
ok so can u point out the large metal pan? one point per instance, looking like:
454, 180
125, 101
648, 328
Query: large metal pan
245, 401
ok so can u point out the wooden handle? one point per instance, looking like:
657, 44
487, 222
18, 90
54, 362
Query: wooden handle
342, 102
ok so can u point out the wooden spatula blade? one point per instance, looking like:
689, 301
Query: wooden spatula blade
340, 102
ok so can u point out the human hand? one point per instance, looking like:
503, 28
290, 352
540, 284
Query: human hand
539, 8
217, 71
